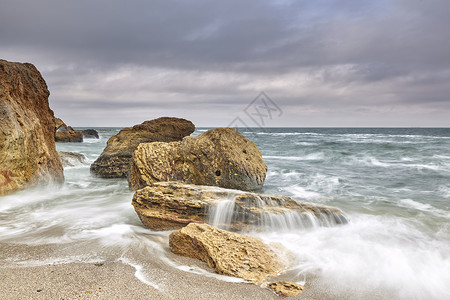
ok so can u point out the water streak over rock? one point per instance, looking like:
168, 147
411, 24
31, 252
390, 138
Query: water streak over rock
172, 205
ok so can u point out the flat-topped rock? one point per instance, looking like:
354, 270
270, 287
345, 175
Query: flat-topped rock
172, 205
115, 158
218, 157
27, 128
228, 253
66, 134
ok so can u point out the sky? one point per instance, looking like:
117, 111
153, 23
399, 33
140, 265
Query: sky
334, 63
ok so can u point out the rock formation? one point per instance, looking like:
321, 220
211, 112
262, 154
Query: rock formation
71, 159
219, 157
227, 252
90, 134
115, 158
27, 145
66, 134
172, 205
285, 288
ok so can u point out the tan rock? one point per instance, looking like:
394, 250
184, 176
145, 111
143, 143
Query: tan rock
66, 134
172, 205
27, 145
227, 252
219, 157
285, 288
115, 158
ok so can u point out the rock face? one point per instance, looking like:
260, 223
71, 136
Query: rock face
285, 288
27, 145
115, 159
66, 134
71, 159
90, 134
172, 205
227, 252
219, 157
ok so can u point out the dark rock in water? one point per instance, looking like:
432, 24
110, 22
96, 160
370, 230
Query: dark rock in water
27, 146
66, 134
229, 253
172, 205
219, 157
90, 134
115, 158
71, 159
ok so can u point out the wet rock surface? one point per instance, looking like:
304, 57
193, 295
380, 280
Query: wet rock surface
219, 157
114, 162
71, 159
27, 146
172, 205
285, 288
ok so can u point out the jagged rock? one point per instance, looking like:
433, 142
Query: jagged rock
227, 252
90, 134
172, 205
285, 288
66, 134
71, 159
219, 157
27, 145
115, 158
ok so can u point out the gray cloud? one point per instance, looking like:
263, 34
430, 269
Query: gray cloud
335, 63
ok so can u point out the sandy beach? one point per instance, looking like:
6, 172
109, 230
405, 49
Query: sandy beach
113, 279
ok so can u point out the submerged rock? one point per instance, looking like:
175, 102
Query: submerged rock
115, 158
172, 205
227, 252
285, 288
71, 159
66, 134
90, 134
219, 157
27, 146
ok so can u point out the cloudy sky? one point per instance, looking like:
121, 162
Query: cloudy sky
322, 62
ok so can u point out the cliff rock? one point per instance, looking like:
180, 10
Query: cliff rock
172, 205
115, 158
219, 157
27, 127
227, 252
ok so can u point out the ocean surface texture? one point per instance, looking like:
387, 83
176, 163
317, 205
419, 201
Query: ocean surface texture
392, 184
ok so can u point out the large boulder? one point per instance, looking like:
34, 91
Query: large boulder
115, 158
66, 134
172, 205
227, 252
27, 145
219, 157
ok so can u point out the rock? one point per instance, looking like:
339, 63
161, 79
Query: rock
219, 157
285, 288
115, 158
90, 134
66, 134
71, 159
27, 145
227, 252
172, 205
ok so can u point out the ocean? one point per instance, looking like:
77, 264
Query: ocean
393, 185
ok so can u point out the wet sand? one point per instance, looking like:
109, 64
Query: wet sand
26, 273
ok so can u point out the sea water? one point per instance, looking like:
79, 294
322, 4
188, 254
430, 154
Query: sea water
392, 184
